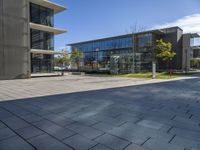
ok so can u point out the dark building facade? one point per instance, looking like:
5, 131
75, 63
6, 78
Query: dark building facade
27, 37
196, 53
132, 52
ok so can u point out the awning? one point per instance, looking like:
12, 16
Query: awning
46, 28
57, 8
38, 51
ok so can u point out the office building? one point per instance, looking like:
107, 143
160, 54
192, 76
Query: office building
27, 37
135, 52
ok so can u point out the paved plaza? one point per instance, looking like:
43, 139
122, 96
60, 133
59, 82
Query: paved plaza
99, 113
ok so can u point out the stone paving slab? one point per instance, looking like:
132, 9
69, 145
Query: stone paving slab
4, 114
62, 121
80, 143
15, 143
187, 143
156, 116
29, 132
15, 122
6, 133
38, 87
192, 135
31, 118
155, 144
104, 127
2, 125
46, 142
100, 147
86, 131
54, 130
135, 147
112, 141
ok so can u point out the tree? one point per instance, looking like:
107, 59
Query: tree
135, 28
164, 51
76, 57
62, 59
195, 62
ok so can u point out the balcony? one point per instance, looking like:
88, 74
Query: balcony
56, 31
56, 7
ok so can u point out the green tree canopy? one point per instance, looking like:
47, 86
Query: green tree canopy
195, 62
164, 50
62, 59
76, 56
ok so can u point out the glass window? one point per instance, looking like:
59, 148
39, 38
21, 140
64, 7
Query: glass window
41, 15
41, 63
42, 40
145, 40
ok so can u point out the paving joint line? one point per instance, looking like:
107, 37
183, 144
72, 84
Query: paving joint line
172, 138
170, 129
173, 117
127, 145
19, 135
145, 141
122, 124
119, 137
98, 136
39, 129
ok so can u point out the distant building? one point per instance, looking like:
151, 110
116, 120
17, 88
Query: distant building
27, 37
135, 52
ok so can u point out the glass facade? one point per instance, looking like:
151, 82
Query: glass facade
97, 54
41, 63
42, 40
123, 63
119, 54
145, 40
41, 15
122, 42
143, 52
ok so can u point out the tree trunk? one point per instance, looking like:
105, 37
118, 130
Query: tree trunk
170, 67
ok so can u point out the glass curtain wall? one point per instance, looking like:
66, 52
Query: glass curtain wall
97, 54
143, 52
42, 40
122, 63
41, 15
41, 63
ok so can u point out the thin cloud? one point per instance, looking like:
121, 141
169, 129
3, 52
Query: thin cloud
189, 24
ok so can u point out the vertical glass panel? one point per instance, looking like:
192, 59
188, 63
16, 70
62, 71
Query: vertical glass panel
145, 40
42, 40
41, 63
41, 15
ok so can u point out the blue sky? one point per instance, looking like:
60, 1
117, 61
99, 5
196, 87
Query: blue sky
93, 19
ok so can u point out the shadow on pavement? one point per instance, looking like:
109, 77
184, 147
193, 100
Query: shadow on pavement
153, 116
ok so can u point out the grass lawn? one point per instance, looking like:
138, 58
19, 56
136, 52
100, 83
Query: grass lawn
159, 75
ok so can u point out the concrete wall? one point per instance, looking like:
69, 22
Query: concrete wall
186, 52
14, 39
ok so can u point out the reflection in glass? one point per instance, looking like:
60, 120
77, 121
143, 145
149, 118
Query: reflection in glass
42, 40
41, 63
41, 15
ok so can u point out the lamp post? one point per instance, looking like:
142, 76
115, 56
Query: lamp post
186, 61
153, 70
170, 67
